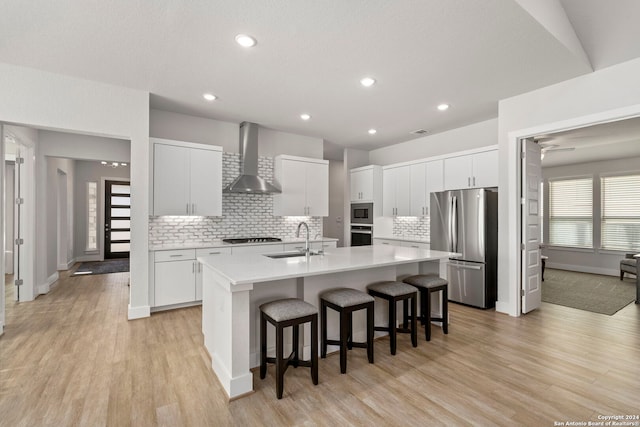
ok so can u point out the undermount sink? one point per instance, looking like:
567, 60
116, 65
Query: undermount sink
288, 254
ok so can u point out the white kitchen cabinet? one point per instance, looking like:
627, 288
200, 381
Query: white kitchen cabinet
366, 184
314, 246
485, 169
476, 170
378, 241
175, 274
187, 178
396, 191
305, 186
258, 249
403, 243
426, 178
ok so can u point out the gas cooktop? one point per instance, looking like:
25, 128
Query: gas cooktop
252, 240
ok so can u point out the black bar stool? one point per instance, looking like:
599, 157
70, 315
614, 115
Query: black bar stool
345, 301
427, 284
394, 292
281, 314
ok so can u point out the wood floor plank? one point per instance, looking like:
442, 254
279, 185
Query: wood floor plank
71, 357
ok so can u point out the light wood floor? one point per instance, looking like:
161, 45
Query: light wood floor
72, 358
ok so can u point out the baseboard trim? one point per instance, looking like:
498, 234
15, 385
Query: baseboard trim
46, 287
139, 312
503, 307
584, 269
67, 266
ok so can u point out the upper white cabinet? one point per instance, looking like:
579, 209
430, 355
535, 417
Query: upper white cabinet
396, 191
305, 186
187, 178
426, 178
476, 170
366, 183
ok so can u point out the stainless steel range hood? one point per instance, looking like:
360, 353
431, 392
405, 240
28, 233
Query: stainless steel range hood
249, 181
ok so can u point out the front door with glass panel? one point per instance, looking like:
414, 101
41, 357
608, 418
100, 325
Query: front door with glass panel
117, 219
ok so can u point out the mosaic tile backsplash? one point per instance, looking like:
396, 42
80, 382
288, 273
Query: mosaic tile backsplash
243, 215
411, 226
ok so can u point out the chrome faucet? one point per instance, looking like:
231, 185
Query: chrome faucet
306, 243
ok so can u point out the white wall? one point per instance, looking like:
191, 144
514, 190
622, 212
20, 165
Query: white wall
87, 171
600, 96
181, 127
51, 101
468, 137
84, 147
596, 260
53, 165
333, 225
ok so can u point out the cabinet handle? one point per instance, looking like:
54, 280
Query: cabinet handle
187, 208
415, 246
193, 267
426, 210
193, 208
474, 181
175, 256
215, 253
468, 182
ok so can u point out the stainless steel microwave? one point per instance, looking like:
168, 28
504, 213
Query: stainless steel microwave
362, 213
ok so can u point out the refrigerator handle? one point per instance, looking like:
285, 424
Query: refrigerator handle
454, 223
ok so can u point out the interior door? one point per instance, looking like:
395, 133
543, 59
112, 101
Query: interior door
117, 219
530, 243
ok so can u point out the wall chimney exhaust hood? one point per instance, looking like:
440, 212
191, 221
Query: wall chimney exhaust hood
249, 181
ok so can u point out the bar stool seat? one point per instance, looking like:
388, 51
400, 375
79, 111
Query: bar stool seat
281, 314
345, 301
427, 284
393, 292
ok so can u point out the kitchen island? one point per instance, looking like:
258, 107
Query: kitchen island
234, 286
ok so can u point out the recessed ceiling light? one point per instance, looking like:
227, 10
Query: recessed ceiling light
443, 107
367, 81
209, 97
104, 163
123, 164
305, 116
245, 40
372, 131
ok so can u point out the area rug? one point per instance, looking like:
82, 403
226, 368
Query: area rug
590, 292
102, 267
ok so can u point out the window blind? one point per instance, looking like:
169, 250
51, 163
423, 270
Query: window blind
570, 212
621, 212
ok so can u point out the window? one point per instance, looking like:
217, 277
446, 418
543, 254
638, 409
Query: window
621, 212
92, 216
570, 212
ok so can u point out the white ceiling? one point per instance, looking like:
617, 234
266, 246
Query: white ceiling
311, 55
607, 141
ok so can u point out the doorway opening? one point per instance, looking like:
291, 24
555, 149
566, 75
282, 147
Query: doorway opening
589, 214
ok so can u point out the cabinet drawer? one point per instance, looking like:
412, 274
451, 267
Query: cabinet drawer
296, 246
175, 255
212, 251
416, 245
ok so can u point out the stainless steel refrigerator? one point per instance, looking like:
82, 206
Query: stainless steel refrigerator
466, 221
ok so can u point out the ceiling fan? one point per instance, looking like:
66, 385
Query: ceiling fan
547, 148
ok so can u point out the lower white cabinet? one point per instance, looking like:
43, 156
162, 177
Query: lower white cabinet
314, 246
178, 275
404, 243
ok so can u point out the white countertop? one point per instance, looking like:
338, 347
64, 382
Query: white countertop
252, 268
218, 243
416, 239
